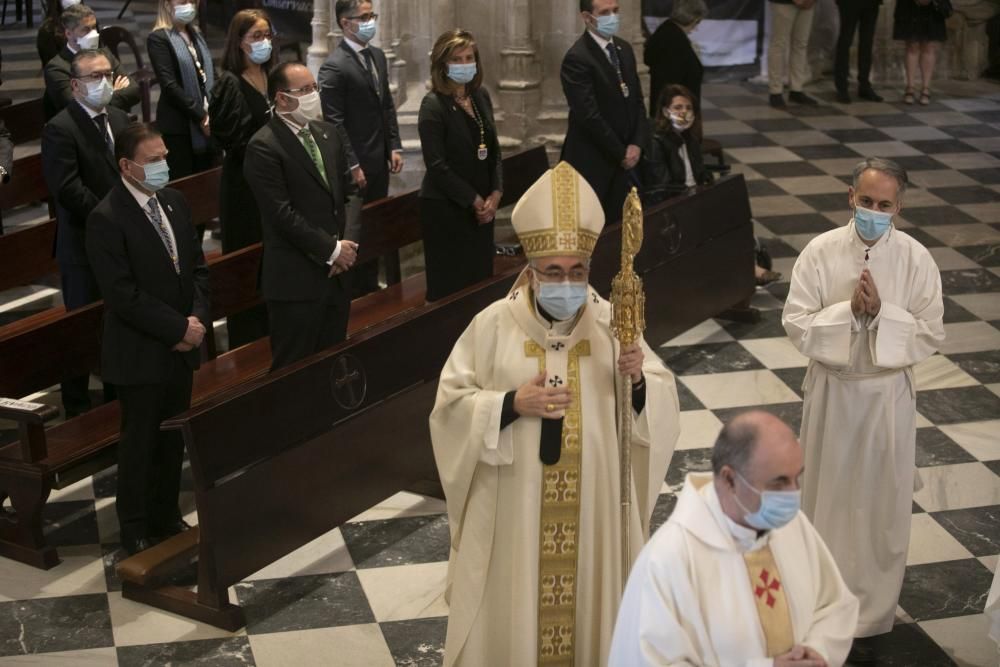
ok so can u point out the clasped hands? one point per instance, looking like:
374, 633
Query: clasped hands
193, 336
800, 656
632, 155
486, 209
536, 398
345, 260
865, 298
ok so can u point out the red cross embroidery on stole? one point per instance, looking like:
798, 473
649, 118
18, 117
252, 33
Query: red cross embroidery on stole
770, 584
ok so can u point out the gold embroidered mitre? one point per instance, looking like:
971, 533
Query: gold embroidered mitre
559, 215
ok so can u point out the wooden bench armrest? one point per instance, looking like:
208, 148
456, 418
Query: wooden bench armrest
30, 418
162, 559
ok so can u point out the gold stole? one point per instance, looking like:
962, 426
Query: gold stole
560, 516
772, 606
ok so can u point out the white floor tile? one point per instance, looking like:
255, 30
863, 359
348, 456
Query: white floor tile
134, 623
699, 429
94, 657
883, 148
810, 185
740, 389
965, 639
937, 372
81, 572
403, 504
778, 205
949, 259
347, 646
939, 178
958, 486
981, 439
708, 331
983, 306
759, 155
930, 543
406, 591
82, 490
970, 337
775, 352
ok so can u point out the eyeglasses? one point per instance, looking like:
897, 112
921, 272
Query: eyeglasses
94, 77
364, 18
259, 35
304, 90
577, 275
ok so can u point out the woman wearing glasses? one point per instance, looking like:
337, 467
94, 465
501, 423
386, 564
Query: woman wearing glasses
183, 66
464, 182
237, 109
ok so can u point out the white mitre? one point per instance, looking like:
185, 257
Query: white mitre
560, 215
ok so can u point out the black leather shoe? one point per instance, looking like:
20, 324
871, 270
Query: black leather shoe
862, 653
843, 97
870, 95
175, 528
134, 546
777, 101
799, 97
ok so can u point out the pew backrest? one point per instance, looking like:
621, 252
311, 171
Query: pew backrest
24, 120
26, 255
26, 184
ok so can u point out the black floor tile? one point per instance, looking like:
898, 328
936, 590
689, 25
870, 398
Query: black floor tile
858, 136
777, 124
907, 646
685, 461
303, 603
994, 466
941, 146
984, 365
715, 114
769, 326
934, 448
778, 248
799, 223
945, 590
955, 313
793, 377
730, 101
827, 201
787, 169
927, 216
971, 131
918, 162
686, 398
46, 625
986, 255
70, 523
969, 281
417, 642
779, 290
664, 507
790, 413
813, 111
925, 239
763, 188
976, 528
402, 541
986, 176
825, 152
225, 652
961, 404
731, 141
891, 120
971, 194
708, 358
985, 116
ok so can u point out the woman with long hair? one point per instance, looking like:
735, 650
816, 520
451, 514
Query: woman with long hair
183, 66
463, 183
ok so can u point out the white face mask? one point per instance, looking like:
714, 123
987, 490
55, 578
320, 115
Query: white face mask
88, 41
66, 4
309, 108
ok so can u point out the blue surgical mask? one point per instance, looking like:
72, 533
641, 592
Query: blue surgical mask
462, 72
260, 52
366, 31
98, 94
871, 225
157, 175
562, 300
185, 13
608, 25
776, 509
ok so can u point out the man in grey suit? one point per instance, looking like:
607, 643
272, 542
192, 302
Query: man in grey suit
354, 88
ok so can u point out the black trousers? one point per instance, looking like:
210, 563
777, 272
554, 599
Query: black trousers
303, 328
858, 15
79, 289
364, 279
149, 460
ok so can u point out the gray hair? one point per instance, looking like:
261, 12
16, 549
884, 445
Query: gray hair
74, 15
344, 6
86, 54
688, 12
735, 445
886, 167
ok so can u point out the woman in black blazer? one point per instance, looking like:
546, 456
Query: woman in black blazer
674, 163
463, 183
183, 66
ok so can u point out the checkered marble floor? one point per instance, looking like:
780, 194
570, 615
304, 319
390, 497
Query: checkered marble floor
370, 593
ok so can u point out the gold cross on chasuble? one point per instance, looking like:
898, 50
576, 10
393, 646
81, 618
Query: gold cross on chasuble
769, 596
559, 524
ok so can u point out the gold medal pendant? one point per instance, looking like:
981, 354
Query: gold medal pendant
482, 153
624, 89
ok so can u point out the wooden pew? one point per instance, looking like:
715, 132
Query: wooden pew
44, 459
24, 120
333, 422
26, 184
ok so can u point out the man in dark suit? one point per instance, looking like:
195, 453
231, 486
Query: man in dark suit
671, 57
149, 264
354, 89
80, 25
79, 166
298, 168
607, 128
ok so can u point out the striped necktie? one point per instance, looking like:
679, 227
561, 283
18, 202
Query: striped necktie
161, 228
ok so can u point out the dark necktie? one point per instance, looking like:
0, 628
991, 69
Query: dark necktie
161, 228
102, 125
370, 66
613, 54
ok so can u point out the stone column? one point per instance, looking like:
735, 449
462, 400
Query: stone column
519, 79
558, 25
320, 47
631, 32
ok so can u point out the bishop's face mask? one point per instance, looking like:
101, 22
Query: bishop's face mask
561, 300
776, 509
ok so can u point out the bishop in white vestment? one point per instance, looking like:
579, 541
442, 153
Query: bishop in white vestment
715, 587
865, 306
524, 434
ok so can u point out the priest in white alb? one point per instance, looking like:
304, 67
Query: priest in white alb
525, 439
865, 306
738, 577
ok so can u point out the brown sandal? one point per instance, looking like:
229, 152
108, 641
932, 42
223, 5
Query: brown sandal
908, 96
925, 97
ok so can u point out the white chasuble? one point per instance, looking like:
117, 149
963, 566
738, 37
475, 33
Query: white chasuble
858, 418
690, 603
534, 573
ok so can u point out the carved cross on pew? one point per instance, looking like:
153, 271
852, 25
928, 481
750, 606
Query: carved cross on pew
770, 584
